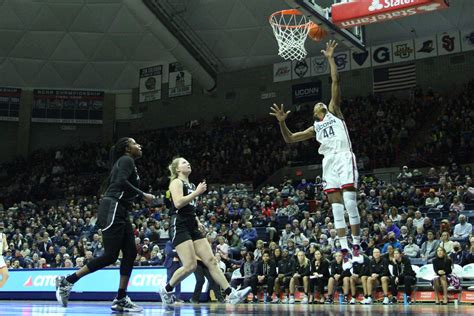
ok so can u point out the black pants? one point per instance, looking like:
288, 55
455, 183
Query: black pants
269, 282
117, 237
319, 284
201, 272
406, 280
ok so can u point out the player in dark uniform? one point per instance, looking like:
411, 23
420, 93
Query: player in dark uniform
113, 219
186, 236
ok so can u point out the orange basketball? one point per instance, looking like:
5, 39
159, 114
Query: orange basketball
316, 33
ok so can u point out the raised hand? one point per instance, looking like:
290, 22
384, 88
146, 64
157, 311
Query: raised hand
201, 188
279, 112
330, 46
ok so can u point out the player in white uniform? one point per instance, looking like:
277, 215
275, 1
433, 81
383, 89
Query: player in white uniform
339, 163
3, 265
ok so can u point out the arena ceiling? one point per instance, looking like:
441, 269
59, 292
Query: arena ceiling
99, 44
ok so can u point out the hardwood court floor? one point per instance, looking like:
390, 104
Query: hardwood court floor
78, 308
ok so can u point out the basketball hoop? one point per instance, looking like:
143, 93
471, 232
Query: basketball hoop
291, 28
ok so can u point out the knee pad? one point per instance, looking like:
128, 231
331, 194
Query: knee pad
338, 213
350, 201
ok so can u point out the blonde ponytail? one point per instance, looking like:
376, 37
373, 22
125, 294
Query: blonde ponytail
172, 168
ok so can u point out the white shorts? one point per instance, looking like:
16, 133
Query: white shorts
2, 262
339, 171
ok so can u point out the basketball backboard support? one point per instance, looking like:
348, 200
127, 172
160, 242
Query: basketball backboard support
353, 38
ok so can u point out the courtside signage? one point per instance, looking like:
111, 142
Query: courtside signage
362, 12
105, 280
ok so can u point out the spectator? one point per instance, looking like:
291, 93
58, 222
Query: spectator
428, 249
457, 255
392, 241
391, 227
432, 201
463, 229
418, 221
442, 266
249, 236
404, 175
457, 206
411, 250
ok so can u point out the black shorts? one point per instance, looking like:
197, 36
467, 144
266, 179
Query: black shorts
183, 228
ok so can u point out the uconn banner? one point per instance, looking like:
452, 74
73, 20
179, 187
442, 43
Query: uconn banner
306, 92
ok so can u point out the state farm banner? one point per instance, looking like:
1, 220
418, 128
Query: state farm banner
9, 104
150, 84
67, 106
362, 12
179, 81
282, 71
306, 92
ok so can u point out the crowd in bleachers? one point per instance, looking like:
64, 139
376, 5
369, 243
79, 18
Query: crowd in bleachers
413, 215
237, 151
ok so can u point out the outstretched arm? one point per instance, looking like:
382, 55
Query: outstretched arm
288, 136
334, 105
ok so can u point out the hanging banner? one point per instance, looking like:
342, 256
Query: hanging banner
467, 40
381, 55
426, 47
179, 81
449, 43
150, 83
403, 51
343, 61
361, 60
301, 68
9, 104
306, 92
282, 71
319, 66
67, 106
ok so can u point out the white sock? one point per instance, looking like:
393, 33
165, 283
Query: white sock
356, 240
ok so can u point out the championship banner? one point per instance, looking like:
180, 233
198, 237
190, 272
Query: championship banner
306, 92
67, 106
150, 84
179, 81
9, 104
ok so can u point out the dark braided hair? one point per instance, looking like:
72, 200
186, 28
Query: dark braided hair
115, 152
118, 150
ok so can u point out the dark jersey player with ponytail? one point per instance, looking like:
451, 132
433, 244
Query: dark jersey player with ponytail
113, 218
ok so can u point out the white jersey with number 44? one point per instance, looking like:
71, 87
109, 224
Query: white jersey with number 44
332, 134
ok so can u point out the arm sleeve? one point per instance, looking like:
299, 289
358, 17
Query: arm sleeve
449, 266
306, 270
126, 165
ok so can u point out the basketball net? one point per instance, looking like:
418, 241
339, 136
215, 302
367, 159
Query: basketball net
291, 29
